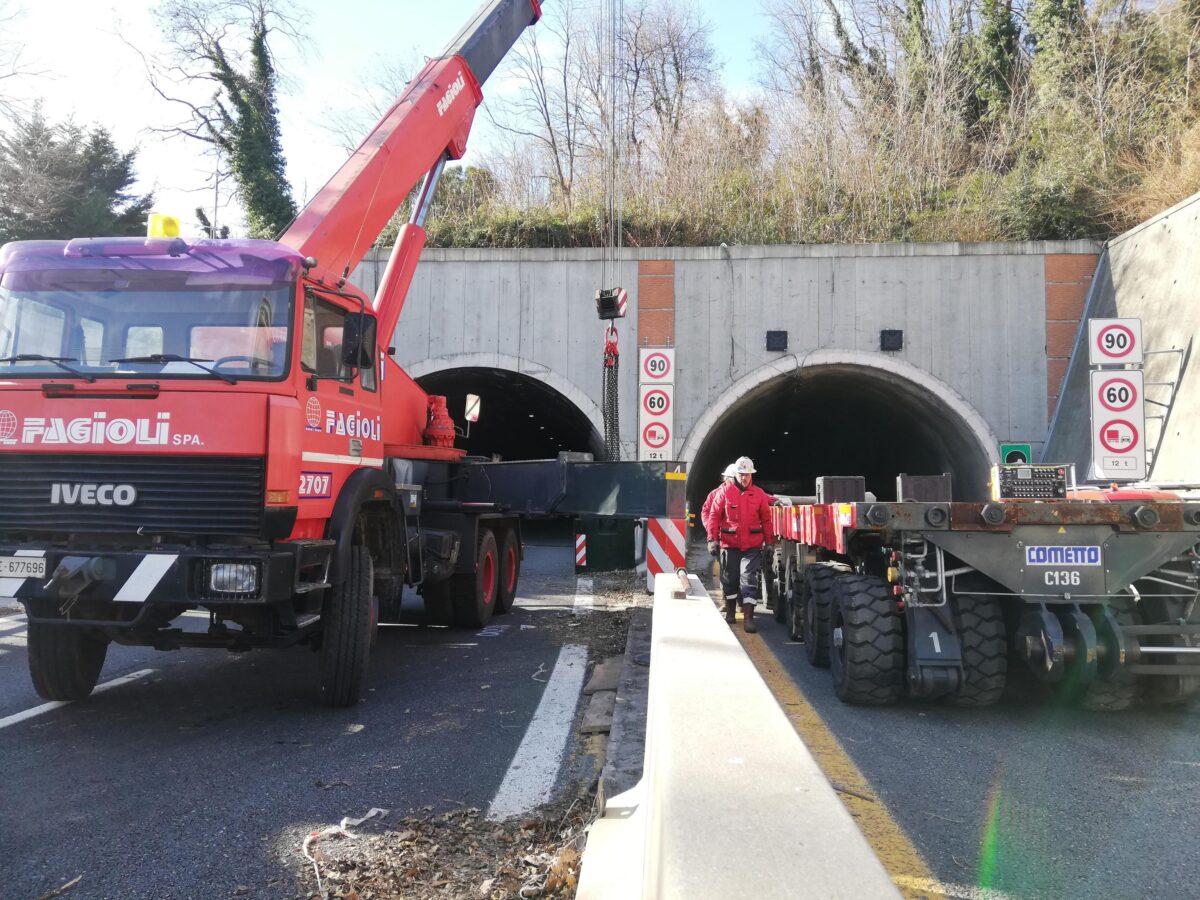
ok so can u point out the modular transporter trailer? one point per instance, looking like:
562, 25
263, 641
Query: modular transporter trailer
1096, 594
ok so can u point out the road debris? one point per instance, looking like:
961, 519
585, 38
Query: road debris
340, 830
59, 891
455, 854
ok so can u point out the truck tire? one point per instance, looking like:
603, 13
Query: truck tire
510, 571
64, 661
474, 595
346, 625
819, 596
866, 655
1120, 691
984, 641
794, 598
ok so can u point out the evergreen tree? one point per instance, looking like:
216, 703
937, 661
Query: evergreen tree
993, 61
242, 120
64, 181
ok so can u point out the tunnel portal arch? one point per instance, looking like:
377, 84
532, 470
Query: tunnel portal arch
527, 412
841, 413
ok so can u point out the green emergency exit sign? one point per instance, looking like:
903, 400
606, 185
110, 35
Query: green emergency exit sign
1015, 454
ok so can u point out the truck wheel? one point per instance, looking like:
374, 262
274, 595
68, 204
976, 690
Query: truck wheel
867, 648
510, 571
819, 599
794, 603
475, 595
346, 625
984, 641
64, 661
1120, 691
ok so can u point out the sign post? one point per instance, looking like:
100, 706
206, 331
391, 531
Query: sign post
656, 403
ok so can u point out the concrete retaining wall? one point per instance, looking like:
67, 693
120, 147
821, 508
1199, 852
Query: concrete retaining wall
974, 316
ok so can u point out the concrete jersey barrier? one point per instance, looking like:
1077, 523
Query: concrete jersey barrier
732, 804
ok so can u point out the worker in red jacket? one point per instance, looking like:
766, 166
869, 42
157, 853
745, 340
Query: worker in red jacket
728, 477
738, 527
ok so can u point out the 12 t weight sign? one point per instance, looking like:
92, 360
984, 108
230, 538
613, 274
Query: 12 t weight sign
1118, 424
1114, 342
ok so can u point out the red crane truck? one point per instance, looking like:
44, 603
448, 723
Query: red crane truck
217, 425
1094, 590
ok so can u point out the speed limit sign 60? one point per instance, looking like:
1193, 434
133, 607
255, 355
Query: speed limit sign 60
1118, 424
1114, 342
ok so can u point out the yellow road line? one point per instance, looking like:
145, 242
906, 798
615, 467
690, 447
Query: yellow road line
901, 859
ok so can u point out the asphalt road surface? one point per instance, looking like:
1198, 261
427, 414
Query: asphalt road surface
1025, 799
201, 776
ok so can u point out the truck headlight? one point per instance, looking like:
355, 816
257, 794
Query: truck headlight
233, 578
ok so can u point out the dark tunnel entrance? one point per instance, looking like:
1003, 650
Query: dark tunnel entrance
521, 417
841, 420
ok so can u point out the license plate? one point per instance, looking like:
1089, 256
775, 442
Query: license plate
22, 567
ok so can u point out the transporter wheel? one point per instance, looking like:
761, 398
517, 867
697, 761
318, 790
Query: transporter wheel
1120, 691
819, 598
347, 623
984, 641
794, 602
510, 571
867, 643
64, 661
474, 596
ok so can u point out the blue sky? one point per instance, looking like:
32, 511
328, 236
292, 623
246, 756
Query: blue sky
91, 73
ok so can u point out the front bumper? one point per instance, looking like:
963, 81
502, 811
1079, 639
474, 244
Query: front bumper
175, 577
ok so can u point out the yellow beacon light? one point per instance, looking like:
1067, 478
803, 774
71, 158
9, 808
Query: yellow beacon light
161, 225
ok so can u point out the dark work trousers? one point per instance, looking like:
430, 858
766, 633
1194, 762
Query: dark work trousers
739, 573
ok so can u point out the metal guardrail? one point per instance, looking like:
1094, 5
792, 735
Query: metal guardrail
731, 803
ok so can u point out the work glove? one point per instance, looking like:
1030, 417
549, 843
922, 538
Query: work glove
714, 548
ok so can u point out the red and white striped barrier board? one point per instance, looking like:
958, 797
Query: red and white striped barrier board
666, 547
622, 302
581, 551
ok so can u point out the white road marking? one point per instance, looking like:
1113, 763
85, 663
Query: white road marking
55, 704
583, 596
534, 769
954, 891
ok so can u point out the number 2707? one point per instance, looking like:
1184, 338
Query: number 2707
315, 484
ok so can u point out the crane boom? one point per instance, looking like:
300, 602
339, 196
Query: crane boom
427, 124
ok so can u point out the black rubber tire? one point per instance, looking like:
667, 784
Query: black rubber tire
1122, 690
819, 596
64, 661
868, 667
984, 641
1153, 609
474, 595
347, 623
793, 600
510, 571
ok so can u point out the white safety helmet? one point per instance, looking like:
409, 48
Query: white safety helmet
744, 466
730, 471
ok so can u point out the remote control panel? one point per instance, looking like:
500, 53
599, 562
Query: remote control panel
1029, 482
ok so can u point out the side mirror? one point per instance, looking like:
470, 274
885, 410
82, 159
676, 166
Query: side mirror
358, 342
471, 413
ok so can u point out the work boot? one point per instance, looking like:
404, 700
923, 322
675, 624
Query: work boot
731, 611
748, 618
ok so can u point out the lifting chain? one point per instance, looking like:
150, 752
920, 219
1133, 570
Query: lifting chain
611, 411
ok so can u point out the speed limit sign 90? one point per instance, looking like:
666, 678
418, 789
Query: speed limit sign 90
656, 365
1114, 342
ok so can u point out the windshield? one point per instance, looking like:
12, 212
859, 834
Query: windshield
98, 323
